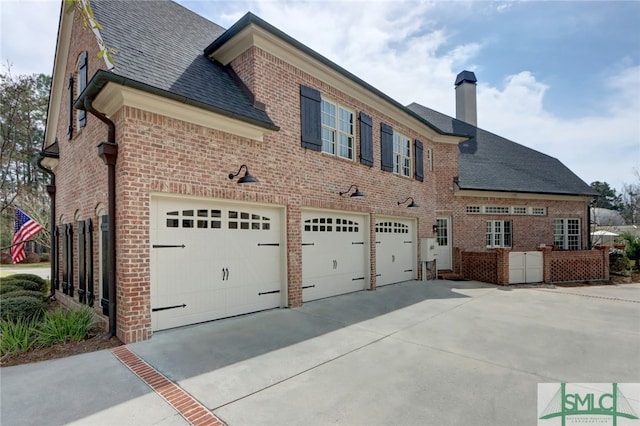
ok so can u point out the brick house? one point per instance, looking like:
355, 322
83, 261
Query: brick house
159, 223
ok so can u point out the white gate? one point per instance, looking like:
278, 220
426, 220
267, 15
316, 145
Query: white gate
525, 267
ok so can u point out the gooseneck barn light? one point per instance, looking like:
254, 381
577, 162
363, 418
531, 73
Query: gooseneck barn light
411, 205
356, 193
247, 178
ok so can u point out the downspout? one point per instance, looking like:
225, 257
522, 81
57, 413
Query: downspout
589, 227
51, 190
108, 151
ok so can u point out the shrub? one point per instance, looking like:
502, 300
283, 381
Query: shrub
26, 281
5, 258
23, 284
30, 277
21, 307
61, 325
31, 258
20, 292
8, 288
17, 336
618, 260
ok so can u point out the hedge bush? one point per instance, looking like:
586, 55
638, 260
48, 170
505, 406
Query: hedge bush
8, 288
30, 277
21, 308
618, 260
20, 292
23, 284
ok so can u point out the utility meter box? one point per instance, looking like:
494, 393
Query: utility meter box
428, 249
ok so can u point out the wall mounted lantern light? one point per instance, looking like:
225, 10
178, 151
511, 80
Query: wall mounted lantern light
356, 193
247, 178
435, 229
411, 205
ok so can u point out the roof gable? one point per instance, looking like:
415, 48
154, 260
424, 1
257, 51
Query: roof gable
488, 162
159, 47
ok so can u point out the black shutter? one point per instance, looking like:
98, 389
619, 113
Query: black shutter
70, 93
54, 258
366, 139
418, 151
310, 125
104, 236
67, 272
88, 227
386, 147
83, 74
82, 284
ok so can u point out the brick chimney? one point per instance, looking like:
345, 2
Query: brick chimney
466, 108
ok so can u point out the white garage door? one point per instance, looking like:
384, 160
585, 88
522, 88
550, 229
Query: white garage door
212, 260
395, 250
334, 254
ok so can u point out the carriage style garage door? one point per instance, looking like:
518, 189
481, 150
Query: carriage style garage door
395, 250
211, 259
334, 253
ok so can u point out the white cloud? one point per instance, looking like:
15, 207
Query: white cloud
28, 37
405, 49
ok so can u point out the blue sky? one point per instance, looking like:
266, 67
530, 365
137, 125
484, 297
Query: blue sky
560, 77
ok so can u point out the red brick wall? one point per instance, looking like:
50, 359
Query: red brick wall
480, 266
585, 265
81, 176
528, 232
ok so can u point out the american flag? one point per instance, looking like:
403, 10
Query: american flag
25, 228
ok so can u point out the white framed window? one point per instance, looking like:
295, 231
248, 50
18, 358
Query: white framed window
566, 234
337, 130
497, 209
473, 209
429, 159
519, 210
401, 155
498, 233
538, 211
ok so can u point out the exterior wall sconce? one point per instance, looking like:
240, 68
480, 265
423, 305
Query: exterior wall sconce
411, 205
435, 229
356, 193
247, 178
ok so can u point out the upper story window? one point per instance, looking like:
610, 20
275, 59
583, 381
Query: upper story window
337, 130
83, 75
566, 234
401, 155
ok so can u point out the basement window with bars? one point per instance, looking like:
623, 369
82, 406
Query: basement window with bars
498, 233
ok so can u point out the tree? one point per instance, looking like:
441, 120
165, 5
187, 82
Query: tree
608, 198
633, 248
631, 201
23, 109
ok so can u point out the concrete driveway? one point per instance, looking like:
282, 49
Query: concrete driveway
416, 353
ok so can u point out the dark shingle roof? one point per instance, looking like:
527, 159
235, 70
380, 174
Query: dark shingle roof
488, 162
160, 45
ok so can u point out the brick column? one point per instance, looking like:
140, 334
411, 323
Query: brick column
546, 263
605, 261
502, 266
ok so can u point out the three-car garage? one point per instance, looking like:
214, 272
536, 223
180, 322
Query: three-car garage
214, 259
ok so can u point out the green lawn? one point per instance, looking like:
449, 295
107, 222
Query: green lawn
6, 270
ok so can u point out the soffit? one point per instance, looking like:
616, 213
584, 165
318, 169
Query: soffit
114, 96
